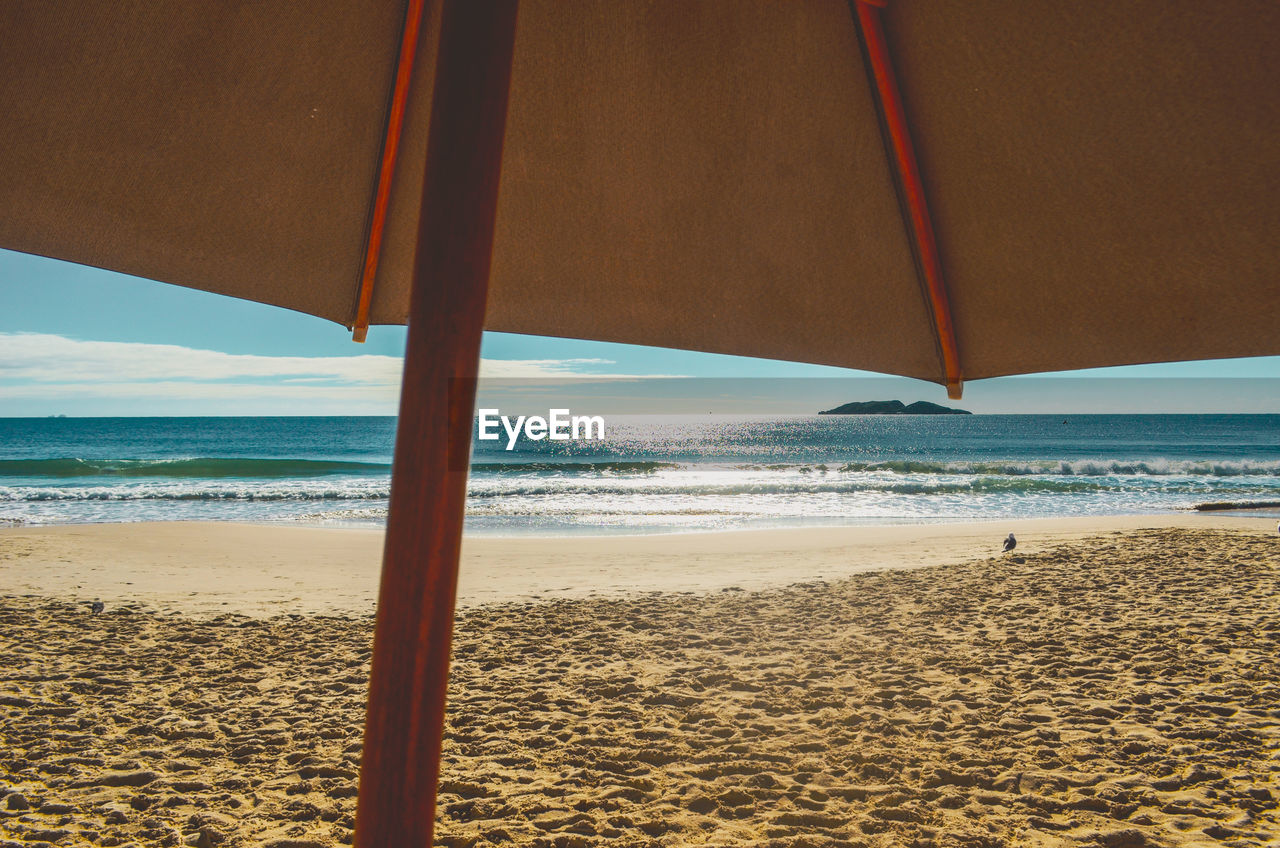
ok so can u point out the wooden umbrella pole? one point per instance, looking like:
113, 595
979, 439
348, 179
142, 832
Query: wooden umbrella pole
405, 720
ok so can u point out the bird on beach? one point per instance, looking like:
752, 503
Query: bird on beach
97, 607
1010, 543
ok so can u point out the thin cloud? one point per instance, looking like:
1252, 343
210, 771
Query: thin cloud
48, 358
555, 369
163, 390
45, 368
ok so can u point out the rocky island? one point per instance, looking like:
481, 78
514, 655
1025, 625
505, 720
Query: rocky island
893, 407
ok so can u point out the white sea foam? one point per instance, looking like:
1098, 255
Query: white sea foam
690, 474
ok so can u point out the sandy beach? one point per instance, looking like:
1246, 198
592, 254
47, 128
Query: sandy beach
203, 569
1110, 683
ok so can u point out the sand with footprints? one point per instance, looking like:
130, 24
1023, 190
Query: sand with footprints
1119, 690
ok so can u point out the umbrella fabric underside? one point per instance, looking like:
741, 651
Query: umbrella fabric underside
1102, 177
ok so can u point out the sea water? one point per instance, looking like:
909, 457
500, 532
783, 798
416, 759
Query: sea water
649, 473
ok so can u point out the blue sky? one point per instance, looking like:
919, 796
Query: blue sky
81, 341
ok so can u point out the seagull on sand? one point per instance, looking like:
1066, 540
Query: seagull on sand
97, 607
1010, 543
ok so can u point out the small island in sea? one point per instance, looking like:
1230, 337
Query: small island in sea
893, 407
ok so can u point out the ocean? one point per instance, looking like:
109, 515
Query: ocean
650, 475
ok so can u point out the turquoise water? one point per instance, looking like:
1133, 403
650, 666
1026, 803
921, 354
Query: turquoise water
650, 474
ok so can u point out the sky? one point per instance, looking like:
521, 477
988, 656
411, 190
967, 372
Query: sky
81, 341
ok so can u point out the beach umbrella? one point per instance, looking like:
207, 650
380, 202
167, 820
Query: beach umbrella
943, 189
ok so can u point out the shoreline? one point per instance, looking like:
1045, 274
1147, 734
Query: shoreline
203, 569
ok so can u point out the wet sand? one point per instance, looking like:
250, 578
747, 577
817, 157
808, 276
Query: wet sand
1118, 690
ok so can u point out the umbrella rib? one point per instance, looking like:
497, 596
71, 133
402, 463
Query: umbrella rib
910, 188
387, 167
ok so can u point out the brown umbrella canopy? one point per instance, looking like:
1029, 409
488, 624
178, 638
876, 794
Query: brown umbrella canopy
1102, 177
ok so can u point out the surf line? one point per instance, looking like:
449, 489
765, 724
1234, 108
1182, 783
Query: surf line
560, 425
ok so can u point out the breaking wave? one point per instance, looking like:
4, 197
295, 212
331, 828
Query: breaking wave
197, 468
1077, 468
